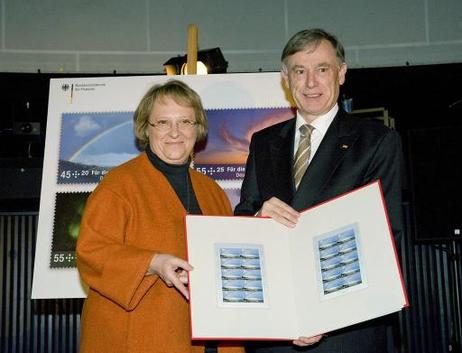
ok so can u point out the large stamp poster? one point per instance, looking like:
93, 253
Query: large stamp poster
90, 131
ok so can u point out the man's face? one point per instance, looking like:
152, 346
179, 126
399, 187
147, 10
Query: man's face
314, 76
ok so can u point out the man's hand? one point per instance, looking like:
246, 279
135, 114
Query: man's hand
172, 270
307, 341
280, 212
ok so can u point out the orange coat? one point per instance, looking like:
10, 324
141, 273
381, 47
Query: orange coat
133, 214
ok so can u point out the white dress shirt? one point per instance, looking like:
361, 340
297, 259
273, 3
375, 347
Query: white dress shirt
320, 124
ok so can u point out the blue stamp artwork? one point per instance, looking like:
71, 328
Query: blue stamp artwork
224, 155
93, 143
338, 260
240, 269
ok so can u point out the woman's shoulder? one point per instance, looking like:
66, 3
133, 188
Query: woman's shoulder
125, 175
127, 168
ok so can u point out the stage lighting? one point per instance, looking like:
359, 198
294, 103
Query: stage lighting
209, 61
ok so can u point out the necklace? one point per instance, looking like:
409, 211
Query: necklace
188, 180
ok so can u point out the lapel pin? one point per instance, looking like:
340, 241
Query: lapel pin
344, 147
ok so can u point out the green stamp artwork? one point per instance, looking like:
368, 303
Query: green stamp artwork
68, 213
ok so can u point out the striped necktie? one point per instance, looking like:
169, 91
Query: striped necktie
303, 153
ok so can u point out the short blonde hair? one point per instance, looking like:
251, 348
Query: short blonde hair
182, 94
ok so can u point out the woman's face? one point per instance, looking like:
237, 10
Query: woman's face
172, 130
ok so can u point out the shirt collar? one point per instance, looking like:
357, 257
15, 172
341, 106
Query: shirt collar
321, 123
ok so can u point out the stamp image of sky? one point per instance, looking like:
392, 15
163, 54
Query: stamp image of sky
339, 260
91, 144
241, 275
224, 154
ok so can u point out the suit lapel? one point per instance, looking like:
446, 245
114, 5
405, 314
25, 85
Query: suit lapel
281, 155
338, 139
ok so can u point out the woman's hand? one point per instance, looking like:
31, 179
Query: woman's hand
172, 270
307, 341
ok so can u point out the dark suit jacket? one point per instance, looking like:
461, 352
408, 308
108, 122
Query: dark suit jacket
354, 152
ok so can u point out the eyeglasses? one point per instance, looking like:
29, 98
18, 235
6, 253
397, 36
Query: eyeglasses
165, 125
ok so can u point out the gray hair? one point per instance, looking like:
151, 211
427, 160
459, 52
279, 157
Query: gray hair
311, 38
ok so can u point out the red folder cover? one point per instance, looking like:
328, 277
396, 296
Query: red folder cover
255, 279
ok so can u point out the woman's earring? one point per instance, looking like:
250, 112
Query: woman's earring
192, 155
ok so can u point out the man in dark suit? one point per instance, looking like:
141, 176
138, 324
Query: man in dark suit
342, 153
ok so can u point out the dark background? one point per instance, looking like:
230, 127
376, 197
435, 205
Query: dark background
425, 102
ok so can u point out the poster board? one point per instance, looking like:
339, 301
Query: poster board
336, 268
90, 130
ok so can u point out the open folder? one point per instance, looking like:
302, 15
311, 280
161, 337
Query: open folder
254, 278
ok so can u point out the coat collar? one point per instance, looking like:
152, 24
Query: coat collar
339, 138
281, 155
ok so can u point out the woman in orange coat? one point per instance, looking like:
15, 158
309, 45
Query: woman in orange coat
131, 244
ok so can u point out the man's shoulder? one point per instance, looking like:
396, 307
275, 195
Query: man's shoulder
365, 125
275, 129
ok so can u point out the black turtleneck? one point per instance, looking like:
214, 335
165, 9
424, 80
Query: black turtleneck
178, 177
